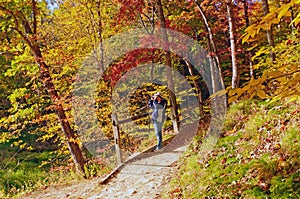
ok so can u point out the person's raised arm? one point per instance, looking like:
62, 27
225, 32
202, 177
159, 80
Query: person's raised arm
150, 102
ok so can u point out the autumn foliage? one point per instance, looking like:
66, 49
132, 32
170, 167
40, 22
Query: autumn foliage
254, 45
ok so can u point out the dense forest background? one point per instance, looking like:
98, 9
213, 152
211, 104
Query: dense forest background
254, 46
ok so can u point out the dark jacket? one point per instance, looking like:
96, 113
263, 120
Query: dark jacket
159, 109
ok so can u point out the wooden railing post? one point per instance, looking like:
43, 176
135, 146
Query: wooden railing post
115, 124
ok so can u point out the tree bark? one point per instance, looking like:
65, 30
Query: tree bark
213, 53
235, 68
211, 66
100, 36
162, 23
270, 35
30, 38
249, 54
55, 98
197, 87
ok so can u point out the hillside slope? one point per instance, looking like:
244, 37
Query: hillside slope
257, 156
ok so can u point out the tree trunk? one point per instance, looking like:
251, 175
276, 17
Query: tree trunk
249, 54
292, 18
270, 35
30, 38
211, 67
213, 53
96, 24
172, 96
55, 98
197, 87
235, 68
100, 30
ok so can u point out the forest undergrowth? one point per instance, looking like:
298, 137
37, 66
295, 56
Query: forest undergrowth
257, 156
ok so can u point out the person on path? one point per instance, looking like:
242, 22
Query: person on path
158, 104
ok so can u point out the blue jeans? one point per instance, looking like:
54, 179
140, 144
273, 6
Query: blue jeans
158, 133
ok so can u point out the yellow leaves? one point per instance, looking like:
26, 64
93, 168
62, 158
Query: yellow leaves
269, 17
44, 163
261, 94
232, 99
274, 74
274, 17
282, 80
296, 21
284, 11
17, 143
255, 87
4, 137
296, 77
219, 93
251, 31
286, 84
252, 47
261, 51
75, 140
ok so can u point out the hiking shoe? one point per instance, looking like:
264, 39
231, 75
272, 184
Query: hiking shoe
158, 150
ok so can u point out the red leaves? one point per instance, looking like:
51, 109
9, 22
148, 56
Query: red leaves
129, 10
223, 160
149, 50
288, 42
176, 193
263, 185
130, 60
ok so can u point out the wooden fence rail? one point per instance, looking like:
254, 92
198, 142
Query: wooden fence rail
116, 131
116, 123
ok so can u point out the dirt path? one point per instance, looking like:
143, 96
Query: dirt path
143, 176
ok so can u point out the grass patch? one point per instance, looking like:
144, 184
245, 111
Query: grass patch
257, 156
21, 170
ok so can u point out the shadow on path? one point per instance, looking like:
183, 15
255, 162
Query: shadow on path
144, 175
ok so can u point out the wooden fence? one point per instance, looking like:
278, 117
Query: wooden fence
116, 123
